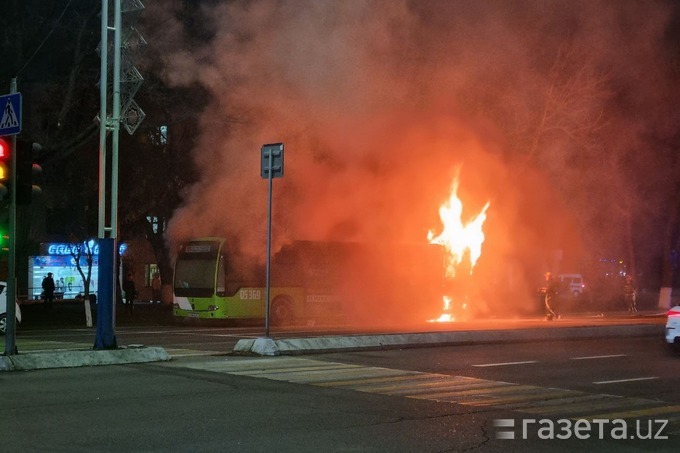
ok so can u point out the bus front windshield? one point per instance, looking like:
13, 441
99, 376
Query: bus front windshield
195, 277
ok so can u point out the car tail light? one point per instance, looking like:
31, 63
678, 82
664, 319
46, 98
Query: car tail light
673, 313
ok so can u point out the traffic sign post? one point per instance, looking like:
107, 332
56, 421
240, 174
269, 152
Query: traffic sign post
271, 162
10, 118
10, 124
271, 166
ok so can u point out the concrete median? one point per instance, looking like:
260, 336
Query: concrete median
310, 345
80, 358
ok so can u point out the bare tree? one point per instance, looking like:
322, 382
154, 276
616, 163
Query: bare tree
571, 104
84, 250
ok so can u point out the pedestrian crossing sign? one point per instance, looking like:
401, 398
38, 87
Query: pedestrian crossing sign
10, 115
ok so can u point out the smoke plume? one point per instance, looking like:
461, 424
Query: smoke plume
545, 105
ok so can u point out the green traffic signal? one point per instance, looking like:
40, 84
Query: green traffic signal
4, 242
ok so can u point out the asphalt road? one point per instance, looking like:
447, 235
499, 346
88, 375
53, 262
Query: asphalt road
640, 367
424, 400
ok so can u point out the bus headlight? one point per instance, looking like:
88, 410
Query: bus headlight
213, 308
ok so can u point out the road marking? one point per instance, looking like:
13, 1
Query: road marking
598, 357
54, 346
635, 414
529, 394
589, 403
466, 395
617, 381
464, 390
184, 352
446, 388
426, 382
372, 380
505, 363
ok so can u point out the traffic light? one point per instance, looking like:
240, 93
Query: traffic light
5, 167
4, 242
26, 171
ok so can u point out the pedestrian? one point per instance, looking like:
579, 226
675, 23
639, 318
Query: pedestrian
156, 288
130, 293
48, 290
551, 294
629, 294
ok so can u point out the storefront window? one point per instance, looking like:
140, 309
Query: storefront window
149, 271
67, 280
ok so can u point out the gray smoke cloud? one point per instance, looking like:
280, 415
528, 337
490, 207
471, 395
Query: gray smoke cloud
546, 105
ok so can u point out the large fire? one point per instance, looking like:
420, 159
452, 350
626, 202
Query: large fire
460, 240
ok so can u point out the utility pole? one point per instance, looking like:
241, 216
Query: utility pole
129, 78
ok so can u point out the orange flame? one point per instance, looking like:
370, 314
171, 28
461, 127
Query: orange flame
458, 237
459, 240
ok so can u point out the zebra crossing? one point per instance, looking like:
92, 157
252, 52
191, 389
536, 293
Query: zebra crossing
468, 391
177, 353
31, 345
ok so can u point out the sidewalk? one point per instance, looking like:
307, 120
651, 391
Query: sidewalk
575, 326
72, 314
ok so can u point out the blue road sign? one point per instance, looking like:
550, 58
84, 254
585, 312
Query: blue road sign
10, 114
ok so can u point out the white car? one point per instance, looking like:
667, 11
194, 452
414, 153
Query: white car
573, 283
3, 308
673, 328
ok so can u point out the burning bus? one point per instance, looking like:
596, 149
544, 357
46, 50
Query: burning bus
327, 282
336, 282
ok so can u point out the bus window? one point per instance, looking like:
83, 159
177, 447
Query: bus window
221, 276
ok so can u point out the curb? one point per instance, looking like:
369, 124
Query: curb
80, 358
296, 346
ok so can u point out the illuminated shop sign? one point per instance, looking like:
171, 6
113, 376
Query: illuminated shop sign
65, 248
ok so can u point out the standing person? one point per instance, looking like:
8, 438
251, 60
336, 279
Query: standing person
130, 293
156, 288
551, 293
629, 294
48, 290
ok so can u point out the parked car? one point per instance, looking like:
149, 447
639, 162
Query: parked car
3, 309
573, 284
673, 328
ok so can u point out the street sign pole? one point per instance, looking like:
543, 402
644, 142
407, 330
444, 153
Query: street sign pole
271, 166
269, 246
11, 318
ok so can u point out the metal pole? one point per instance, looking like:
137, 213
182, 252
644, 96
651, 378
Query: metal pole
269, 245
103, 86
10, 330
107, 291
116, 119
114, 152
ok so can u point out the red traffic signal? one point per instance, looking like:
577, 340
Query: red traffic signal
5, 154
5, 149
26, 170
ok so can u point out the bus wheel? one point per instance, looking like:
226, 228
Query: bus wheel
282, 312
